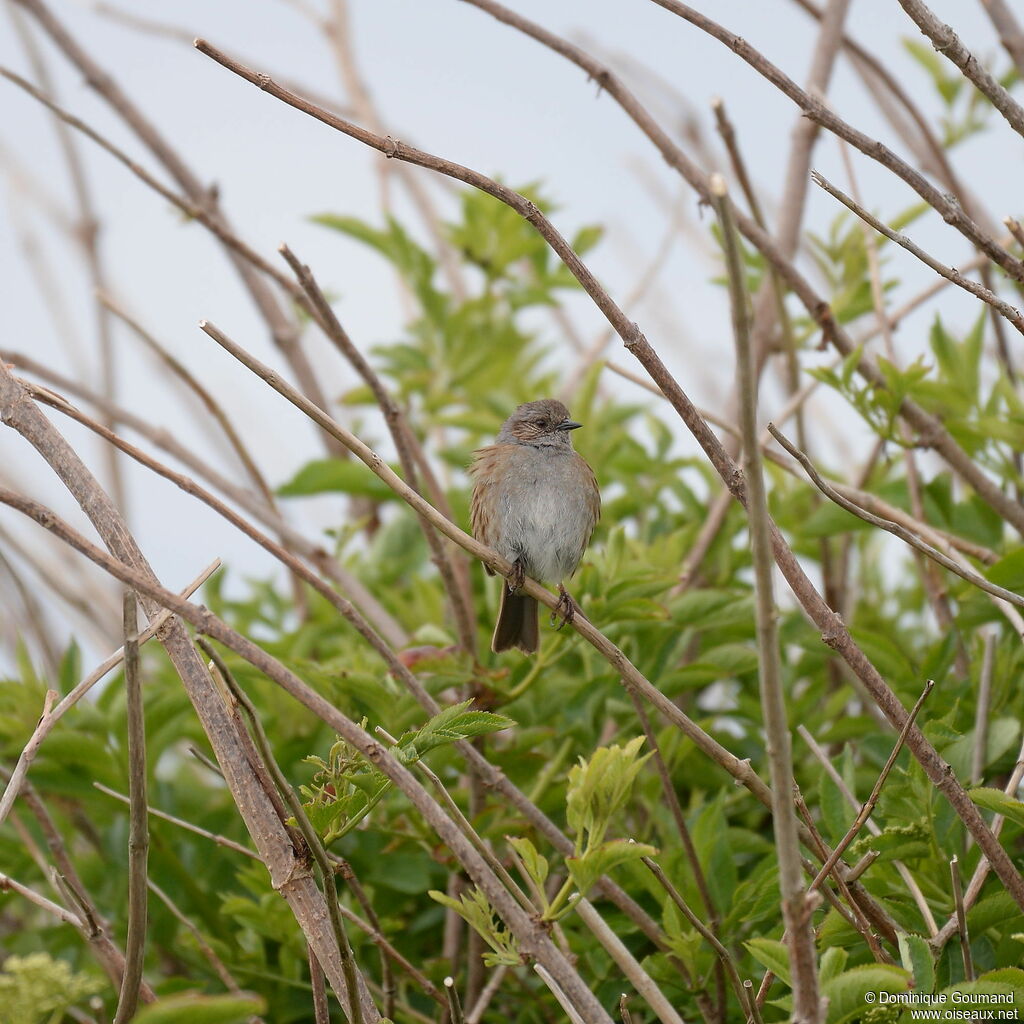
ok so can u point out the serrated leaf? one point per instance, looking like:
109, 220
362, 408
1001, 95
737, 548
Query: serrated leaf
996, 800
586, 870
454, 723
846, 993
598, 788
535, 865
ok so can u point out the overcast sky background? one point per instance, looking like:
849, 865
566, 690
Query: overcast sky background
452, 80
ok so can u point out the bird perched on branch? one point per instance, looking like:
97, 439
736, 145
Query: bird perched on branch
536, 502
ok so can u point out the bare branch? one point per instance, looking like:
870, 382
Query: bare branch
947, 43
807, 1006
895, 529
951, 274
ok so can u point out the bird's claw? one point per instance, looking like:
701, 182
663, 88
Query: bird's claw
516, 580
565, 610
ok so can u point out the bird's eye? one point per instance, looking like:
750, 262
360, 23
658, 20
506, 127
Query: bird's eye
542, 423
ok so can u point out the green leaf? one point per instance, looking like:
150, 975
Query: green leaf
916, 957
771, 954
200, 1009
996, 800
600, 787
999, 992
846, 993
474, 909
996, 909
586, 238
1008, 572
833, 961
324, 476
456, 722
588, 868
536, 865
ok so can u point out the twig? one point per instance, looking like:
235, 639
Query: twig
947, 43
1011, 35
153, 812
87, 234
563, 1000
961, 918
672, 799
138, 836
951, 274
466, 827
456, 584
204, 947
724, 956
803, 961
50, 718
284, 331
191, 210
454, 1006
371, 930
930, 580
372, 609
8, 884
317, 981
205, 396
869, 805
815, 109
961, 570
1015, 229
165, 30
533, 940
475, 1015
901, 868
316, 847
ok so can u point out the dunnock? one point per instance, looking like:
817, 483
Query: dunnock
536, 502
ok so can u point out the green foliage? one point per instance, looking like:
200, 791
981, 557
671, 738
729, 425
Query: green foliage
38, 988
559, 725
967, 111
474, 909
347, 786
199, 1009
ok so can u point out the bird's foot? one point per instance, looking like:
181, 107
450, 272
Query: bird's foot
515, 581
565, 611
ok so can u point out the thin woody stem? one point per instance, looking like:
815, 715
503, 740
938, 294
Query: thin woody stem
316, 847
138, 835
869, 805
807, 1005
51, 716
896, 529
532, 937
951, 274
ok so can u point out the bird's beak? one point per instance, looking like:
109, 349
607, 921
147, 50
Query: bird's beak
568, 425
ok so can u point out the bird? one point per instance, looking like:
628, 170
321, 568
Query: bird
536, 502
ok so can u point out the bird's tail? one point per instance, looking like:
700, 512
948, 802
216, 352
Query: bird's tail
517, 623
